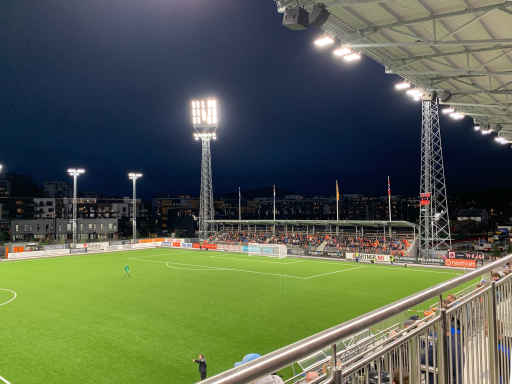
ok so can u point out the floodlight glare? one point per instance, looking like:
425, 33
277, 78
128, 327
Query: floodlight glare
402, 85
1, 166
204, 112
134, 175
415, 93
355, 56
457, 116
75, 171
487, 131
342, 51
324, 41
447, 111
501, 140
476, 127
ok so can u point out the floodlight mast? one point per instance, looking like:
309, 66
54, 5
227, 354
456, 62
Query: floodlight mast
133, 176
75, 172
204, 123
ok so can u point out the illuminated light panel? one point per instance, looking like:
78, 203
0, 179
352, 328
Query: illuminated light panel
476, 127
324, 41
403, 85
355, 56
447, 111
415, 93
204, 112
487, 131
457, 116
501, 140
342, 51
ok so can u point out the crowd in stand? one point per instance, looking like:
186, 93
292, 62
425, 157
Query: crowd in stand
342, 242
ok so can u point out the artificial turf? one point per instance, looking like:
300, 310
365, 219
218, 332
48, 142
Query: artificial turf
80, 319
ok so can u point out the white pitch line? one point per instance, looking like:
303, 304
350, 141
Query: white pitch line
332, 273
14, 295
259, 261
4, 380
200, 267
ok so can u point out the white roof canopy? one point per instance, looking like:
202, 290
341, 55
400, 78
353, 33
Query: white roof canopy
460, 48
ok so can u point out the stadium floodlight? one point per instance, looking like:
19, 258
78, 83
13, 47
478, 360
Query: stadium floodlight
403, 85
415, 93
501, 140
457, 116
476, 127
1, 167
133, 176
324, 41
205, 121
354, 56
75, 172
447, 111
342, 51
487, 131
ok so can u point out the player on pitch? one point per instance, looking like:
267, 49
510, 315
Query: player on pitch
127, 271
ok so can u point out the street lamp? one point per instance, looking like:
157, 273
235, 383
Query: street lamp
133, 176
75, 172
205, 121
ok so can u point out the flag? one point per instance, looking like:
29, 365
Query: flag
389, 187
337, 191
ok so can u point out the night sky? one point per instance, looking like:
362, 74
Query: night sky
106, 85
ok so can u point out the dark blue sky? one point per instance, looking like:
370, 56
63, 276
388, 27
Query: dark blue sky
106, 85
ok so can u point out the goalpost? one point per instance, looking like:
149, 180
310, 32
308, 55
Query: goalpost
272, 250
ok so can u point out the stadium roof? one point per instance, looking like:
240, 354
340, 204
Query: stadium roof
341, 223
460, 48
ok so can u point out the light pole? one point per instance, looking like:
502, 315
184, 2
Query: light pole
133, 177
75, 172
205, 122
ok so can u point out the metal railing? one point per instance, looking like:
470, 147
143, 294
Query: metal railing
468, 341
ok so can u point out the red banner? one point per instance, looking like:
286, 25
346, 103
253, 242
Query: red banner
196, 245
462, 263
176, 244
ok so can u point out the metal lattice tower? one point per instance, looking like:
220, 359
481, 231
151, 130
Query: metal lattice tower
206, 209
204, 121
434, 220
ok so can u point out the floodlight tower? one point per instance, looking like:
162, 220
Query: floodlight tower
75, 172
133, 176
434, 233
204, 122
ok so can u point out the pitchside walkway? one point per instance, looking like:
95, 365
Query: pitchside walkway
466, 340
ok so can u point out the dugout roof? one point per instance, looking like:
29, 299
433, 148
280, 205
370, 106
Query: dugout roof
460, 48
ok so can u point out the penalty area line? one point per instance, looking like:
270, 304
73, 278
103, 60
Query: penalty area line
4, 380
14, 296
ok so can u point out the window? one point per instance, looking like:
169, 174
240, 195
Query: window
101, 227
110, 226
90, 226
69, 227
17, 227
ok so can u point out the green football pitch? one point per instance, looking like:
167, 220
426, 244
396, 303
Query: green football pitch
81, 319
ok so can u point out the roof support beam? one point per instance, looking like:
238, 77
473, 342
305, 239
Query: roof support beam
467, 11
430, 43
454, 53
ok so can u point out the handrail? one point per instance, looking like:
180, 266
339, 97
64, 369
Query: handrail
278, 359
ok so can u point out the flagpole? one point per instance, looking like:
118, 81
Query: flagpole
274, 208
239, 210
389, 206
337, 207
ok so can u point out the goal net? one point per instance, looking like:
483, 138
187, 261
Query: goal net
272, 250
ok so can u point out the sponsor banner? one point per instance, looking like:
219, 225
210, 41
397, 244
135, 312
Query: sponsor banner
103, 245
196, 245
209, 246
462, 263
186, 245
245, 248
54, 246
166, 244
382, 258
176, 244
349, 255
78, 250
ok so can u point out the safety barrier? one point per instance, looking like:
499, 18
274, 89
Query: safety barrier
468, 340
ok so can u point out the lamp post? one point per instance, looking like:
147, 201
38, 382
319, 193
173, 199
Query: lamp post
205, 122
133, 176
75, 172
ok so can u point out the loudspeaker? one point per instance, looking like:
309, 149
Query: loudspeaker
296, 19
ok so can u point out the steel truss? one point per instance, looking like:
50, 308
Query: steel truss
206, 208
434, 219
